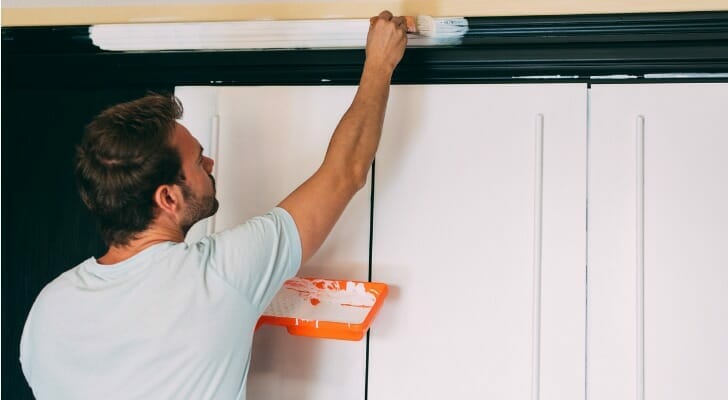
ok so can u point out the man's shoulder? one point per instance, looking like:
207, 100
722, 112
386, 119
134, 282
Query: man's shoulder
60, 286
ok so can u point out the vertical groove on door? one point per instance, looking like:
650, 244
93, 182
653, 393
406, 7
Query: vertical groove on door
640, 261
588, 131
215, 153
537, 245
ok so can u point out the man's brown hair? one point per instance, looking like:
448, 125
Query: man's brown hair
124, 156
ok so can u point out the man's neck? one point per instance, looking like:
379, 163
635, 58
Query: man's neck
150, 237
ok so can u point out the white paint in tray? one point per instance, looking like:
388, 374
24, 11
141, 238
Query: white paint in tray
322, 300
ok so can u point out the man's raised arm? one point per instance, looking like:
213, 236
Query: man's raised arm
317, 204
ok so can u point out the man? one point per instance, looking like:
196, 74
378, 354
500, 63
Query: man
155, 318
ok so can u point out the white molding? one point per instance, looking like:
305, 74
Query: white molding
339, 33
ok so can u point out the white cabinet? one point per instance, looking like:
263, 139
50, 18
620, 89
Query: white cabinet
657, 242
479, 189
480, 221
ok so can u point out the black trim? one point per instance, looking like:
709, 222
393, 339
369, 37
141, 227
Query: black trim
495, 49
599, 28
369, 274
371, 219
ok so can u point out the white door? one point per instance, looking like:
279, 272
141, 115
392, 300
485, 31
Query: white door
270, 140
479, 228
657, 241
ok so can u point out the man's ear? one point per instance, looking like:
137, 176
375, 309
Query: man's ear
168, 198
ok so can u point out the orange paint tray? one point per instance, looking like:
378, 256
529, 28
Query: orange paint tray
322, 308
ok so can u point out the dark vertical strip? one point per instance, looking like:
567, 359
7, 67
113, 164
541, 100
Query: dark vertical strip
366, 371
369, 277
371, 221
40, 242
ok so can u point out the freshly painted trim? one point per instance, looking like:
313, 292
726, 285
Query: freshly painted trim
340, 33
287, 10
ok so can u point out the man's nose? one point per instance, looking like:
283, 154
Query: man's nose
209, 163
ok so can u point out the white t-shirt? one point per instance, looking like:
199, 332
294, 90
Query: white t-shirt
175, 321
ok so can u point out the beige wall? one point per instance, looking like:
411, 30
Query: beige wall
71, 12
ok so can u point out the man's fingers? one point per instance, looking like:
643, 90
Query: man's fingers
400, 23
386, 15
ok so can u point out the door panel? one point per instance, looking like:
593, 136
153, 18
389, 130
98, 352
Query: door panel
478, 190
658, 230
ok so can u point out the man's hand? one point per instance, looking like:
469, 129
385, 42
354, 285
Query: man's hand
386, 41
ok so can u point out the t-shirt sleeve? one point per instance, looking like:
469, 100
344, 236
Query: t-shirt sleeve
258, 256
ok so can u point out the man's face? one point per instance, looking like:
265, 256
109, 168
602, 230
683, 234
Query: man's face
198, 186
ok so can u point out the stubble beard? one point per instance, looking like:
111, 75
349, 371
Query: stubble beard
198, 207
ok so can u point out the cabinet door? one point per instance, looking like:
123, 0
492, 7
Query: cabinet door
270, 140
658, 234
479, 228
